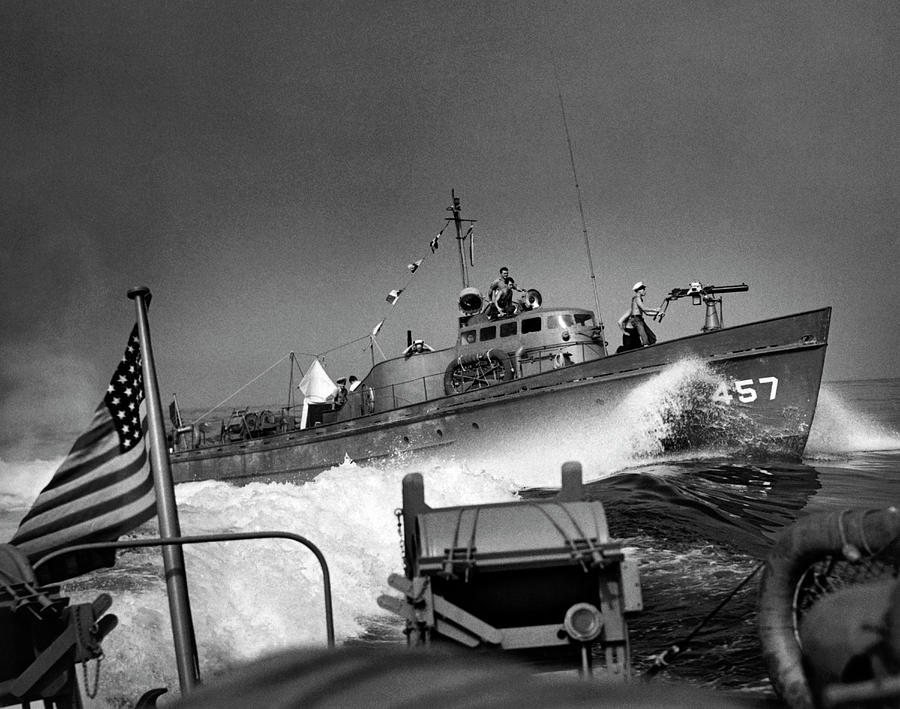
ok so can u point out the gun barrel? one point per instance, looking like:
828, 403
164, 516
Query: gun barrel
728, 289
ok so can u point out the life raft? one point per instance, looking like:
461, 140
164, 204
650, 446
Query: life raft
849, 537
477, 370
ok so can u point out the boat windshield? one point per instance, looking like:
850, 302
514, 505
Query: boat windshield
584, 319
557, 321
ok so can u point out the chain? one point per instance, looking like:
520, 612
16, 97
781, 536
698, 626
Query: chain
92, 692
398, 513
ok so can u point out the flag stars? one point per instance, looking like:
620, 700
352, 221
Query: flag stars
125, 394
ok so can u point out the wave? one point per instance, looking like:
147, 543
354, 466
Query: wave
20, 483
840, 429
252, 598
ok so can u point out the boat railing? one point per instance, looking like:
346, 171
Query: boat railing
535, 360
247, 425
208, 538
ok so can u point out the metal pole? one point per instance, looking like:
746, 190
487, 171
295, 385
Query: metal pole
167, 511
587, 242
457, 222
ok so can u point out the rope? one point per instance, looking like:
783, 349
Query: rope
322, 354
230, 396
665, 658
576, 554
371, 337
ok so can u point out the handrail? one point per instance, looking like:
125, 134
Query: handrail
539, 358
222, 537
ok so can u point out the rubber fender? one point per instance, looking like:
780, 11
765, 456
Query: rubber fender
811, 539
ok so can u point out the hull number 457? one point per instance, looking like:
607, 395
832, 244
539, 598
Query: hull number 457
747, 390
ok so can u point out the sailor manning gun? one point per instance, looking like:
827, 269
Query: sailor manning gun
702, 294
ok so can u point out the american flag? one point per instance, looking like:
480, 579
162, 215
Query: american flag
103, 489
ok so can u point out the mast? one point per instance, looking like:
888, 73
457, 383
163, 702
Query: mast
455, 210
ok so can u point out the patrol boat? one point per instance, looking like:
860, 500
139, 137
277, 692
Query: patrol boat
532, 375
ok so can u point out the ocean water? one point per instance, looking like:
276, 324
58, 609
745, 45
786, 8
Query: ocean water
699, 524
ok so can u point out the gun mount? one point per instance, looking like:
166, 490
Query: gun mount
701, 294
574, 585
44, 637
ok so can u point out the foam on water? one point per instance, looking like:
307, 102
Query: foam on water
839, 429
252, 598
256, 597
626, 431
20, 483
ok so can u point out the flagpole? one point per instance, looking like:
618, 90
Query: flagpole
173, 555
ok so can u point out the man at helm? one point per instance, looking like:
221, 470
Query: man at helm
500, 292
638, 311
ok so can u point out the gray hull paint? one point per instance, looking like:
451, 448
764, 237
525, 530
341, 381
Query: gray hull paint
773, 369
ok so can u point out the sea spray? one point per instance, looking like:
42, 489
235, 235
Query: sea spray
348, 511
840, 428
20, 483
630, 426
256, 597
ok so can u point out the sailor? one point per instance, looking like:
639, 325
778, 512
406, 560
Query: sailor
340, 398
417, 347
500, 293
638, 311
630, 338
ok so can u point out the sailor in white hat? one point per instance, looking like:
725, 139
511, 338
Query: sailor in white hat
638, 311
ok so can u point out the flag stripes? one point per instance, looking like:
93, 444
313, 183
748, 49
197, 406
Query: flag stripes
103, 488
104, 493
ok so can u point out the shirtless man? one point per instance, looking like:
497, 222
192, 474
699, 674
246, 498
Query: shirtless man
500, 292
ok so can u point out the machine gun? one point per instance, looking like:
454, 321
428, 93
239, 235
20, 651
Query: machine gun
701, 294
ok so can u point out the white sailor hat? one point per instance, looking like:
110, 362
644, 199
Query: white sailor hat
638, 286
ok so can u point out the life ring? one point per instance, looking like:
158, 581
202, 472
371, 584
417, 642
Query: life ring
850, 534
477, 370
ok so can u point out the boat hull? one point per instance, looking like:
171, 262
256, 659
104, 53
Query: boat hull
751, 388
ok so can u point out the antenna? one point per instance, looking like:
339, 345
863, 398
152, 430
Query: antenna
587, 243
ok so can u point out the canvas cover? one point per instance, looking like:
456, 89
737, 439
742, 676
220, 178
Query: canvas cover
317, 386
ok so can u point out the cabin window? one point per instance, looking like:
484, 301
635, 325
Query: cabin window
488, 333
584, 319
531, 325
468, 337
557, 321
508, 328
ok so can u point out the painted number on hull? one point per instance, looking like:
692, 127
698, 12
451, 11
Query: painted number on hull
747, 390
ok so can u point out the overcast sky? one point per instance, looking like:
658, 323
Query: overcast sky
269, 169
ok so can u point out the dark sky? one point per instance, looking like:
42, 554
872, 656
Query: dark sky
269, 169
